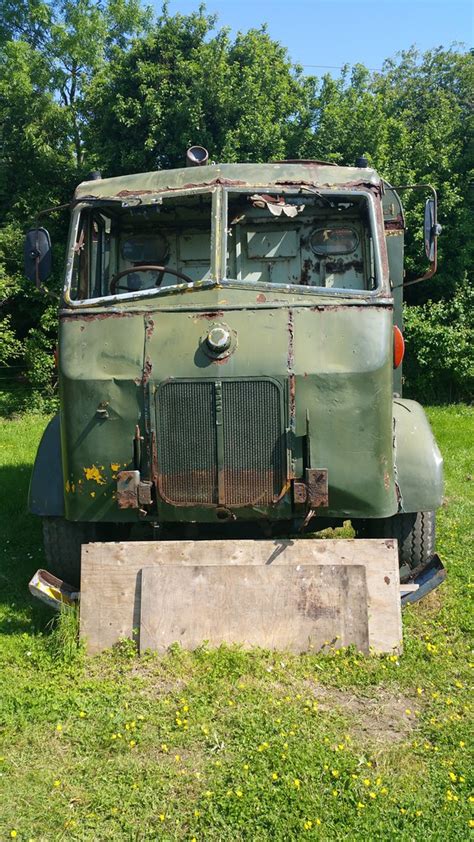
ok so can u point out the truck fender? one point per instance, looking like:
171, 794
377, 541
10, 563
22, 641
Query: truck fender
46, 494
418, 461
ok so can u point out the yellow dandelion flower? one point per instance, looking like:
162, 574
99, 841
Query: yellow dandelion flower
296, 783
372, 795
113, 736
162, 817
453, 777
13, 834
82, 714
461, 743
275, 776
246, 766
384, 791
471, 822
132, 743
335, 793
366, 781
308, 825
177, 757
418, 813
419, 691
334, 773
197, 813
402, 810
369, 763
407, 711
59, 727
239, 793
360, 805
57, 783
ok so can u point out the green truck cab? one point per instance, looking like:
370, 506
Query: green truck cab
230, 346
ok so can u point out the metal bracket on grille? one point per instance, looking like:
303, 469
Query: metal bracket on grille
314, 490
131, 492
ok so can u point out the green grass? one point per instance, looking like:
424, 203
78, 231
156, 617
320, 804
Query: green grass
228, 745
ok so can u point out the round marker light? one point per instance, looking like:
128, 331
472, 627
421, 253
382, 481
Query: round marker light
219, 339
398, 346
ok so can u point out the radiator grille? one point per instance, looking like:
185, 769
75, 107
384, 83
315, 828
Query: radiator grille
186, 440
250, 451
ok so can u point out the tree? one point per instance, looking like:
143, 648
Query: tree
182, 84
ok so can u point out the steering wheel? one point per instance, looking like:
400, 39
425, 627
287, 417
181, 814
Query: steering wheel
147, 267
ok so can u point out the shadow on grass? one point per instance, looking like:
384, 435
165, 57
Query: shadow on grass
21, 553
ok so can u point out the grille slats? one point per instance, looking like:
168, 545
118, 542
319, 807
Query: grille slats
252, 452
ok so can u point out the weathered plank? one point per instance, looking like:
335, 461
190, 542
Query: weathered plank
111, 578
292, 608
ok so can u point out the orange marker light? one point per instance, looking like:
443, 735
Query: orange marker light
398, 346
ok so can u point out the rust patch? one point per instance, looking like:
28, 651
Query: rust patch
92, 317
394, 224
224, 182
149, 327
261, 298
386, 580
147, 369
299, 493
290, 364
211, 314
317, 485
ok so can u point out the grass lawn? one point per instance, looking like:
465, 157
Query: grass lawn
227, 745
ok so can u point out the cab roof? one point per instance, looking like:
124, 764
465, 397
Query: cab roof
287, 174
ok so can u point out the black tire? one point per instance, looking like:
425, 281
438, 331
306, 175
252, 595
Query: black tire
63, 540
414, 531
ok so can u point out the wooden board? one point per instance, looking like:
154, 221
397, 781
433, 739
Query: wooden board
294, 608
111, 586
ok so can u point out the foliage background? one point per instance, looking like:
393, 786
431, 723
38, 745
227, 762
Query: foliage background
108, 85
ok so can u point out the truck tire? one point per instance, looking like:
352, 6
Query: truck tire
414, 531
62, 541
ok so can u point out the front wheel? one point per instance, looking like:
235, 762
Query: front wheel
414, 531
63, 540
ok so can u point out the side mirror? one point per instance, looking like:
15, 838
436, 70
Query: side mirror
37, 256
431, 229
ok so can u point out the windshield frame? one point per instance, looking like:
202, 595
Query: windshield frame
218, 248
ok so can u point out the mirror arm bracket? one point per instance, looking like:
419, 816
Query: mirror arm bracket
433, 263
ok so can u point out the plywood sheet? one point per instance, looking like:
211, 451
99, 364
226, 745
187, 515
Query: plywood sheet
292, 608
111, 578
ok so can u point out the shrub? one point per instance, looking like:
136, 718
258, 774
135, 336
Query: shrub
439, 364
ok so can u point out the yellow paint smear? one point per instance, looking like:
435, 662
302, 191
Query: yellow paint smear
115, 466
94, 474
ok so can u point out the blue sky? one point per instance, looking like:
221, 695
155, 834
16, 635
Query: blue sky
335, 32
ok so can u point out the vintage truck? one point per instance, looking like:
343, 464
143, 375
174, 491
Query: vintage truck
230, 355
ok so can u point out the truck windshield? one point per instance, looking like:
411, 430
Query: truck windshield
120, 250
306, 239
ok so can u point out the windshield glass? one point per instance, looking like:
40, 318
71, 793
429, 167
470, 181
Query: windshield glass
307, 239
120, 250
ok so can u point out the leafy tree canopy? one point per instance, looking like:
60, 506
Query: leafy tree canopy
106, 84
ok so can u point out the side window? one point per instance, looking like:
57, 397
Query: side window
92, 256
